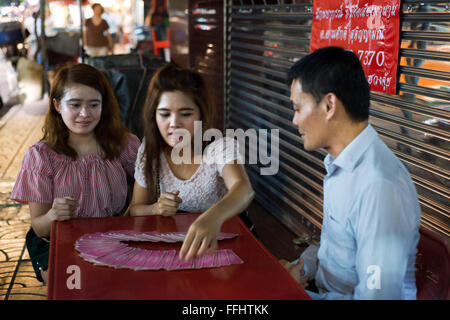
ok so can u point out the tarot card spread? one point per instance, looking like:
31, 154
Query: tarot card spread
107, 249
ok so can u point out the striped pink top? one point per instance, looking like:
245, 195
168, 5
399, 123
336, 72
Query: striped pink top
46, 175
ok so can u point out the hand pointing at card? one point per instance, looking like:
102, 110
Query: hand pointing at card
201, 236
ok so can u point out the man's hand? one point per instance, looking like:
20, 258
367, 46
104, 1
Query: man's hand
296, 271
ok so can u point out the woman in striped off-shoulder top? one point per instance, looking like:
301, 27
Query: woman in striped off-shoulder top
80, 167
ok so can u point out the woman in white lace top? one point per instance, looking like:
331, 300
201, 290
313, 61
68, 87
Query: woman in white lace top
208, 180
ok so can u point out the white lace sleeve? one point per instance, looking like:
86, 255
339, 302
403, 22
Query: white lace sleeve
139, 174
224, 151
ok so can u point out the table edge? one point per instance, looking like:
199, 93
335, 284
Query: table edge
270, 255
50, 284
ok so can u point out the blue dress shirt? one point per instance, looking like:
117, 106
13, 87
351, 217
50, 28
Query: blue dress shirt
371, 218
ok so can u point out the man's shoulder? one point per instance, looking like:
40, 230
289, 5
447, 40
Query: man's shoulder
380, 173
379, 161
383, 174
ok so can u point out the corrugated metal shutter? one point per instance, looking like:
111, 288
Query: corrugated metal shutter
264, 38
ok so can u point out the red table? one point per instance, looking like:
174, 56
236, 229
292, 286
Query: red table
260, 277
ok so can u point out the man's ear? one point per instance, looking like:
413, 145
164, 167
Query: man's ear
332, 102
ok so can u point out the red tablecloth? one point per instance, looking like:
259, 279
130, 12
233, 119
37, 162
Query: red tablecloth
260, 277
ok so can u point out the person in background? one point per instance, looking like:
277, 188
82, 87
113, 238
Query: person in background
79, 168
96, 37
32, 23
114, 26
371, 213
210, 181
157, 18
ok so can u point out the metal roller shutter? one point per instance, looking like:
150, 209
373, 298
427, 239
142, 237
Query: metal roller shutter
264, 38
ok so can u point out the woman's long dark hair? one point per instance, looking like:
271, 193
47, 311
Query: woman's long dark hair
109, 132
166, 79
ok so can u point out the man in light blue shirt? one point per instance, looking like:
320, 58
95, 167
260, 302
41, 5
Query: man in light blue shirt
371, 213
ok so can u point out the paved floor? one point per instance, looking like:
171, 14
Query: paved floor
20, 127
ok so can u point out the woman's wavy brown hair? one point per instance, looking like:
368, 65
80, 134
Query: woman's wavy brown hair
169, 78
109, 132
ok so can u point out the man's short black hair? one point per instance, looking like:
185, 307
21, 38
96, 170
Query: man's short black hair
334, 70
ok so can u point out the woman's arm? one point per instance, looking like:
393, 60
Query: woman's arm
40, 218
202, 234
110, 42
84, 36
140, 200
240, 192
43, 214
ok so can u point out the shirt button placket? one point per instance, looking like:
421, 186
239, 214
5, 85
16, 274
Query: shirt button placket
86, 179
86, 184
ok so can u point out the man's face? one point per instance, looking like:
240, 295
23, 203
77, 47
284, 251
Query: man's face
309, 117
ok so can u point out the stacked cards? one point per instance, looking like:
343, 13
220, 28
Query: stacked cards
108, 249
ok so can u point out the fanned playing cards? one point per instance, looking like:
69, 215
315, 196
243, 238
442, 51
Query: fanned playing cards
108, 249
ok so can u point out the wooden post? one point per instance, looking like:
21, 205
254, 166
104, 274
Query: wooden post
81, 42
45, 86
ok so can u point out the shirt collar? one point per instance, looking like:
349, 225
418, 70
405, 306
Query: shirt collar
349, 157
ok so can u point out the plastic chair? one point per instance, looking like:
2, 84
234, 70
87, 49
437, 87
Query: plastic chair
160, 44
433, 266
